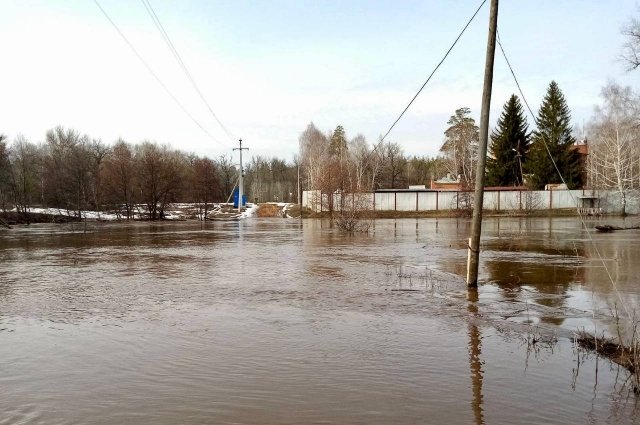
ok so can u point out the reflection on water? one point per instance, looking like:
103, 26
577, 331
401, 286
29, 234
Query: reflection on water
475, 350
288, 321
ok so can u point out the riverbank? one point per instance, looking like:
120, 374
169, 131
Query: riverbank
192, 212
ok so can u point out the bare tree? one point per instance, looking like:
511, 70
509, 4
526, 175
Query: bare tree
22, 161
313, 150
205, 183
4, 173
118, 178
376, 162
614, 139
359, 156
394, 166
630, 54
67, 169
227, 175
98, 151
160, 175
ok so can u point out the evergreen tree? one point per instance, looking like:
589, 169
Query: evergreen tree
338, 142
509, 146
554, 134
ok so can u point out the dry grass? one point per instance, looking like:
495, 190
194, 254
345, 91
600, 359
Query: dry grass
269, 210
296, 211
608, 348
625, 355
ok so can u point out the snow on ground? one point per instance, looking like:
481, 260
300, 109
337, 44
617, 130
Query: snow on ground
178, 211
251, 211
285, 210
89, 215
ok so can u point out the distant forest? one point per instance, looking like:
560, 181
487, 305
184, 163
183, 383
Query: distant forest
75, 172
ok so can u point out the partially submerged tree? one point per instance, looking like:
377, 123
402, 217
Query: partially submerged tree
509, 146
119, 178
4, 173
23, 161
97, 152
204, 183
552, 156
67, 169
614, 134
161, 172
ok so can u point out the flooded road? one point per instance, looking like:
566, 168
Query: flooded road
273, 321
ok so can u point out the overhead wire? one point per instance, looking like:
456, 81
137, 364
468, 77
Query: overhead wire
155, 76
434, 70
183, 66
573, 198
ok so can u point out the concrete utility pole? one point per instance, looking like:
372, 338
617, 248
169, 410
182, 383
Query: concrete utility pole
476, 223
241, 176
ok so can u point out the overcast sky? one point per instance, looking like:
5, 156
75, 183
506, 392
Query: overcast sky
268, 68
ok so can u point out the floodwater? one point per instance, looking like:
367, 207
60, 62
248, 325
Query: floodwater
273, 321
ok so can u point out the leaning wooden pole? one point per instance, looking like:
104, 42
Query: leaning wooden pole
476, 223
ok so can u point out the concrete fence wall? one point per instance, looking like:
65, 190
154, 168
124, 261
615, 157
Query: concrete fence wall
514, 200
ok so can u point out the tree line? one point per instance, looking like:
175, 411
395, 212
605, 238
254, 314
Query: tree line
518, 156
75, 172
333, 162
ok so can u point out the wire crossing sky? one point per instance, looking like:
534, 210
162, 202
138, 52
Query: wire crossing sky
169, 43
434, 71
268, 68
154, 74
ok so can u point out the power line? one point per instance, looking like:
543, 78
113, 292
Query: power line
146, 65
435, 69
584, 225
529, 109
176, 55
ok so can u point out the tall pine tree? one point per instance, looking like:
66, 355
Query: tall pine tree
554, 131
509, 146
338, 142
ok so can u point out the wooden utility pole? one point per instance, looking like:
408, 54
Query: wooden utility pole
476, 223
241, 176
298, 188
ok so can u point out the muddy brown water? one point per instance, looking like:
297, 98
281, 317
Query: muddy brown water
272, 321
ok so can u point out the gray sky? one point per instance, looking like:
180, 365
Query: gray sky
268, 68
